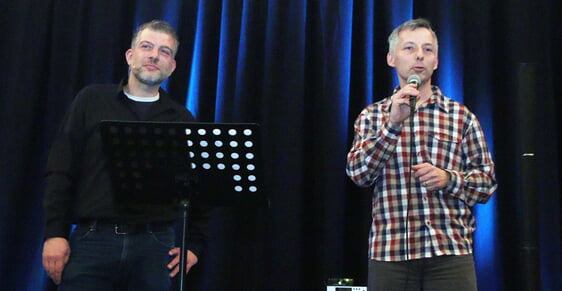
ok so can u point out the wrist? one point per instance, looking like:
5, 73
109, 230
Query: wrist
451, 178
395, 125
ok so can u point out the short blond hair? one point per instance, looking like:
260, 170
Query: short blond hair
410, 25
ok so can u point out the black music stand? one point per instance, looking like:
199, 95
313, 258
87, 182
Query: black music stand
162, 163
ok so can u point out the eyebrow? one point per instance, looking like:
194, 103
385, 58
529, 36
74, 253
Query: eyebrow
161, 47
414, 43
145, 41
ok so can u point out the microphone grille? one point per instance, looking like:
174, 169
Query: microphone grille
414, 79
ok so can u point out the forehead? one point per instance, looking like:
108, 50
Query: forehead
418, 35
157, 37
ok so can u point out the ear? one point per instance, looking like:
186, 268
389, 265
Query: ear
173, 63
436, 63
390, 59
128, 56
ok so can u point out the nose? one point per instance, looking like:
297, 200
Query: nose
419, 54
154, 53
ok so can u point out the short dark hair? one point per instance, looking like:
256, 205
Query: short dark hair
157, 25
410, 25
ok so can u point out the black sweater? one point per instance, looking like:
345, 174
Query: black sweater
78, 182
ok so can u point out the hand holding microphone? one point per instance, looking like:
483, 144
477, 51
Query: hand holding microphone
416, 80
404, 101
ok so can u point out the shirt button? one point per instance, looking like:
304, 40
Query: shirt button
428, 222
424, 198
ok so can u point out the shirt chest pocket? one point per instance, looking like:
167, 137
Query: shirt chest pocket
443, 150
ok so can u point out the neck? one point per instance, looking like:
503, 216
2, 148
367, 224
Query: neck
425, 91
136, 88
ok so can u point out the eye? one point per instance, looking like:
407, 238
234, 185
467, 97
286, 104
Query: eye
166, 52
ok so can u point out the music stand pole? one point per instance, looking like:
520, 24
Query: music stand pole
183, 250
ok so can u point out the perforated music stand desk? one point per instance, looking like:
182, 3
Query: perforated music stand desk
163, 163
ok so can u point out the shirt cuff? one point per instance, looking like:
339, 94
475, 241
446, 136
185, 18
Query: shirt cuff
452, 186
393, 130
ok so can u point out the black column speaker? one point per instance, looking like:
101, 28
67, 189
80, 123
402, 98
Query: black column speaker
528, 243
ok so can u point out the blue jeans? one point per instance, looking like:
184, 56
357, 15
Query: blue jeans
101, 259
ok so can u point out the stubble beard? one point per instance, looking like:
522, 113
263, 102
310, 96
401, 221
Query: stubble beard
149, 79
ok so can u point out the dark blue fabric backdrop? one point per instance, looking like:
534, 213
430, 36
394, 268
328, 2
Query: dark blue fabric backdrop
303, 70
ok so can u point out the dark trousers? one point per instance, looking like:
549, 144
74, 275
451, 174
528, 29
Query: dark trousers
103, 259
438, 273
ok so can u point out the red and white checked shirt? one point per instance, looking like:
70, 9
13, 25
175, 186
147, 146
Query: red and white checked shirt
447, 135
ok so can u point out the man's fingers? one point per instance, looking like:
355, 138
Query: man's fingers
175, 267
57, 277
174, 252
174, 262
54, 269
421, 170
175, 271
191, 259
421, 166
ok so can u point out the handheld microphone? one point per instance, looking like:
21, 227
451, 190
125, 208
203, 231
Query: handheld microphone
413, 79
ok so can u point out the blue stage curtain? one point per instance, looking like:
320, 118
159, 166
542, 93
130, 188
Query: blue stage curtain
303, 70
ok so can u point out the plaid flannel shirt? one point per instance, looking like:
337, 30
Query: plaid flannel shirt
447, 135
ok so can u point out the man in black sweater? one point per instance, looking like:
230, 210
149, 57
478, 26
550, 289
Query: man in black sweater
112, 249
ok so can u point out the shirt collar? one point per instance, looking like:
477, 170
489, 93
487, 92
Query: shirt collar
120, 92
164, 102
436, 97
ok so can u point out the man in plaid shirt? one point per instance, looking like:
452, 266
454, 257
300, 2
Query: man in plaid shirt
429, 165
